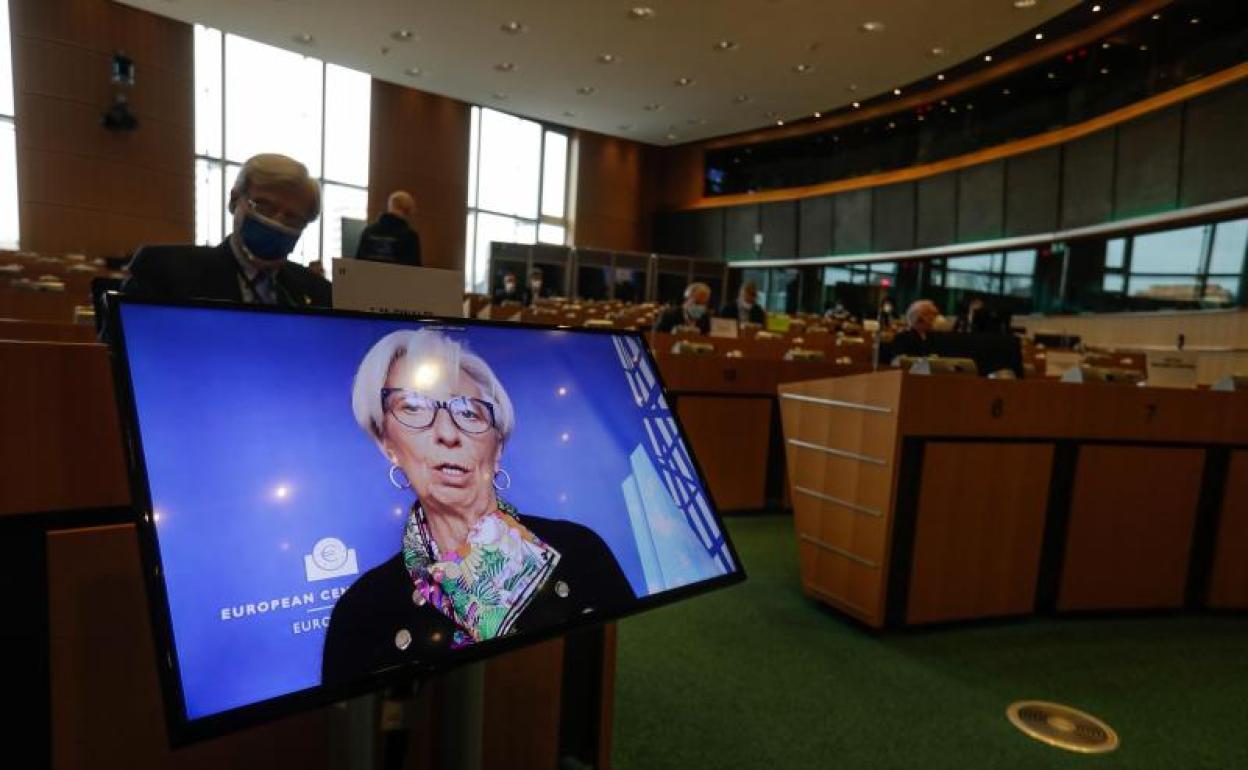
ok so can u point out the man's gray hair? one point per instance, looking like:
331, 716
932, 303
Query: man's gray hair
271, 169
437, 350
917, 307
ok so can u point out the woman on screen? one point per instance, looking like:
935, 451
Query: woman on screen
470, 567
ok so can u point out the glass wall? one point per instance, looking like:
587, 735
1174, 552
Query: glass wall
517, 189
315, 112
9, 235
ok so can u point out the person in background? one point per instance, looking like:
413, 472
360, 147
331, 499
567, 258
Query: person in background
536, 289
391, 238
837, 312
976, 318
692, 312
273, 200
888, 313
916, 339
745, 309
509, 291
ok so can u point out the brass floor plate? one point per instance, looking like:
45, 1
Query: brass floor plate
1062, 726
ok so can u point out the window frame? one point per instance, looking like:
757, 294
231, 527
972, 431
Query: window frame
10, 118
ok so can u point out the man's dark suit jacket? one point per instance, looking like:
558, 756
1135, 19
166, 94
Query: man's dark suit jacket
202, 272
390, 239
674, 316
733, 310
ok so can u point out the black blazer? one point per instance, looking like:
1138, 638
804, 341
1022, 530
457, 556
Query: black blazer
367, 620
674, 316
733, 310
909, 343
390, 239
202, 272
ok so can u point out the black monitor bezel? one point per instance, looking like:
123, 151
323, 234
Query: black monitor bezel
183, 731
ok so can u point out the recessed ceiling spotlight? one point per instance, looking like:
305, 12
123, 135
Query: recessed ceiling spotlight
653, 107
741, 98
1005, 92
513, 27
818, 115
671, 137
1024, 3
1039, 36
941, 76
402, 35
937, 50
585, 90
871, 26
803, 68
641, 13
499, 95
1143, 46
779, 122
1156, 17
725, 45
1104, 70
684, 81
970, 107
607, 58
987, 57
1052, 76
1096, 9
304, 38
855, 105
896, 92
1104, 46
851, 87
920, 118
1194, 20
891, 124
505, 66
413, 72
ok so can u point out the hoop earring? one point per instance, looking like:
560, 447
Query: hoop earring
506, 477
406, 483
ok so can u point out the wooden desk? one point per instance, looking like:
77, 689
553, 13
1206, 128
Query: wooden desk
83, 644
929, 499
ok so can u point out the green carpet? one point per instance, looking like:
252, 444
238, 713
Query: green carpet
759, 676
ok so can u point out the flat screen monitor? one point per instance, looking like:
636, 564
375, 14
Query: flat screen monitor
352, 231
328, 501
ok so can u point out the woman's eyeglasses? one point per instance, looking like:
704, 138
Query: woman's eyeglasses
412, 410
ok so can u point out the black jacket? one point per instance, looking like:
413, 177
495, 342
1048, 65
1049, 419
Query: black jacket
390, 239
733, 310
909, 343
202, 272
369, 617
674, 316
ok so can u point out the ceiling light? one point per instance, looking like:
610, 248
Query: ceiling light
970, 106
1156, 17
937, 50
585, 90
1104, 46
569, 114
802, 69
896, 92
872, 26
1194, 20
818, 115
1052, 76
855, 105
402, 35
653, 107
779, 122
1024, 3
741, 98
920, 118
1143, 47
671, 137
505, 66
684, 81
987, 57
1104, 70
513, 28
499, 95
851, 87
953, 109
1039, 36
725, 45
1005, 92
413, 72
891, 124
641, 13
303, 38
607, 58
1096, 9
941, 76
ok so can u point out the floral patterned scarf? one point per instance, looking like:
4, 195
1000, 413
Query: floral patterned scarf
486, 583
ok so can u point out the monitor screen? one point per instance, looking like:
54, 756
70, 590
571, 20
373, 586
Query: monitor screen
328, 500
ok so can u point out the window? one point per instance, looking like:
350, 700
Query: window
8, 139
313, 111
517, 188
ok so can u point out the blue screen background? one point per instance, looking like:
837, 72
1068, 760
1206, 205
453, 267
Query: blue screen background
253, 455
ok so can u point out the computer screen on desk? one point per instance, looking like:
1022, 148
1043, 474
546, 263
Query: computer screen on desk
328, 501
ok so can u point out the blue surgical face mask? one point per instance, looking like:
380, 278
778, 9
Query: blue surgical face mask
266, 239
695, 311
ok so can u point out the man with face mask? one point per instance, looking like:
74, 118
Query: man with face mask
536, 288
273, 200
509, 291
692, 312
746, 308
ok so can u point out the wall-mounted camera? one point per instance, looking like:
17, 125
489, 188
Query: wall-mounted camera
118, 117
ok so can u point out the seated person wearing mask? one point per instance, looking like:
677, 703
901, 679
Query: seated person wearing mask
273, 200
510, 291
536, 290
916, 340
391, 238
745, 309
692, 312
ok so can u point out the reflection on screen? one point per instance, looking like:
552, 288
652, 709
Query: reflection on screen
336, 496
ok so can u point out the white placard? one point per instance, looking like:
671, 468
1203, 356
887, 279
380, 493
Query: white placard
383, 287
724, 327
1172, 369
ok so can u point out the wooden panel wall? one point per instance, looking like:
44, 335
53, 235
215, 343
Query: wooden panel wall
609, 208
82, 188
419, 143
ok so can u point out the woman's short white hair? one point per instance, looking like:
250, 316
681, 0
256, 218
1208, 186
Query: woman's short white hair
434, 347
